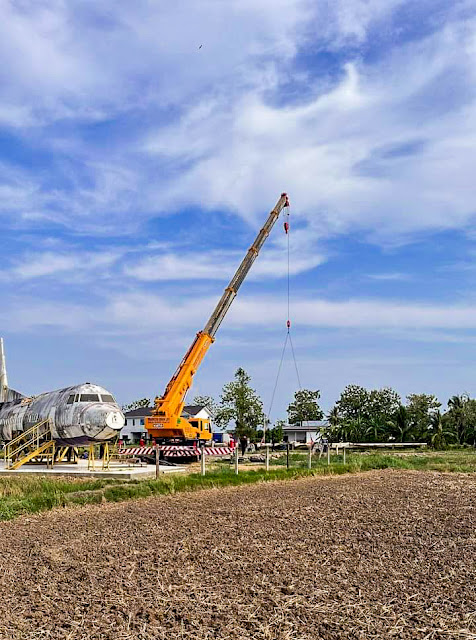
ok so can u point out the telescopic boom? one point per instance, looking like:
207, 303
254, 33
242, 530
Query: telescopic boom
166, 422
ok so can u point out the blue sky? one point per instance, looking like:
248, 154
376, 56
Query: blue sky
136, 169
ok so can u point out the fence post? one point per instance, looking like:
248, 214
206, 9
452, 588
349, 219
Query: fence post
328, 453
202, 461
267, 457
236, 459
287, 455
344, 453
309, 459
157, 461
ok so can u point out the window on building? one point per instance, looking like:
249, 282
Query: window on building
142, 422
89, 397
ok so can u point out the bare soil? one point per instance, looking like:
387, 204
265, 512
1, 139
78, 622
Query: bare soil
387, 554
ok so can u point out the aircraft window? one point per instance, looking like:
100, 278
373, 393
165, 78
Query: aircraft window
70, 399
105, 398
89, 397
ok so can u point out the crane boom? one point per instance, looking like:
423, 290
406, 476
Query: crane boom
166, 422
232, 289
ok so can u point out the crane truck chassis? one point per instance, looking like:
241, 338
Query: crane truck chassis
166, 424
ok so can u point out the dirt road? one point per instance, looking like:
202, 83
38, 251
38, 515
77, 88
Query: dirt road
379, 555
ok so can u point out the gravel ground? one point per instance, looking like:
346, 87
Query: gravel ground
387, 554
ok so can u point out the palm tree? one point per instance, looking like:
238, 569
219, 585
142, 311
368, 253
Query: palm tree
333, 417
440, 434
402, 425
379, 428
456, 411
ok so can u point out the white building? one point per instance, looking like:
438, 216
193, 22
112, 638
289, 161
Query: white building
309, 432
134, 429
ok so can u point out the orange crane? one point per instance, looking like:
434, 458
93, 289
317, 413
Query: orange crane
166, 424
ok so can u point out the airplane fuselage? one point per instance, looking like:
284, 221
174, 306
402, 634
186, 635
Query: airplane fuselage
78, 415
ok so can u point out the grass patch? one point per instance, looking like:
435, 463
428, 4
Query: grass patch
20, 495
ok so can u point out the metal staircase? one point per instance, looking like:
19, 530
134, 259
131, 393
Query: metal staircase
34, 445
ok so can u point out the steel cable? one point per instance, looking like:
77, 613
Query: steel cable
288, 324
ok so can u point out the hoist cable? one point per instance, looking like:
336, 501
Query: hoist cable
289, 297
295, 361
277, 377
288, 322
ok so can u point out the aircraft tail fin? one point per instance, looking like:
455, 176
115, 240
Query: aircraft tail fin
6, 394
3, 374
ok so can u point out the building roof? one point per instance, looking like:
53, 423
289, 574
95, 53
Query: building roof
190, 410
311, 426
193, 409
142, 412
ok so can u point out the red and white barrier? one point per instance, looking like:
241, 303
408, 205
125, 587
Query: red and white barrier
137, 450
218, 451
177, 451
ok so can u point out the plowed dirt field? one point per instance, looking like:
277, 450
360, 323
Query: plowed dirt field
387, 554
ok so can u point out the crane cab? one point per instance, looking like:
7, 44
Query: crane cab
184, 431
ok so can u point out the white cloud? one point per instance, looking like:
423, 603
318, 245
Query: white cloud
49, 263
220, 265
376, 152
141, 312
231, 141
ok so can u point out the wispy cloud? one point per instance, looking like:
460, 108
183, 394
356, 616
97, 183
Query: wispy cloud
60, 265
334, 151
389, 277
123, 312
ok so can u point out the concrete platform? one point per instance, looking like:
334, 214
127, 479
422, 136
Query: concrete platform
80, 470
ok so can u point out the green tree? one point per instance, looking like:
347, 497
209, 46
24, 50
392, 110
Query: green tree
241, 404
365, 415
461, 418
440, 433
377, 429
456, 416
334, 423
353, 403
206, 401
401, 424
382, 405
421, 407
275, 434
469, 436
305, 407
137, 404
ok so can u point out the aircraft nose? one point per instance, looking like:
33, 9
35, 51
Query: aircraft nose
97, 416
115, 420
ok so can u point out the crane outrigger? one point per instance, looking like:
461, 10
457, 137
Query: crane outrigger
166, 424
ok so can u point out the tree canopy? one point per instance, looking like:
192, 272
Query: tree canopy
137, 404
305, 407
239, 403
206, 401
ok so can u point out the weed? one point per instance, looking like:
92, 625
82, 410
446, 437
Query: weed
19, 495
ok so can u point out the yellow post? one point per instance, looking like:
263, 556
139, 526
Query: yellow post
106, 457
91, 458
